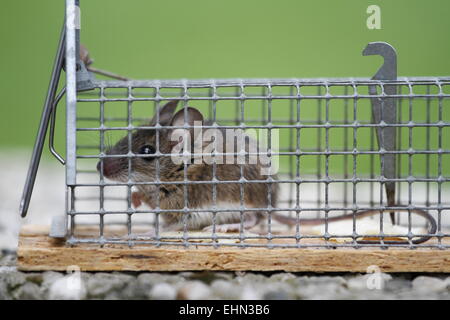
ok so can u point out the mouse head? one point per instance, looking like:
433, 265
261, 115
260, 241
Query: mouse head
144, 145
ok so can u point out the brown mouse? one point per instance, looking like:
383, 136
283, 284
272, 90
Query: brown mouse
260, 194
199, 196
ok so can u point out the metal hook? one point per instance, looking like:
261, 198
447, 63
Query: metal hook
388, 70
384, 111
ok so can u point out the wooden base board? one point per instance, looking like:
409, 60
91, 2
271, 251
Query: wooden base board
38, 252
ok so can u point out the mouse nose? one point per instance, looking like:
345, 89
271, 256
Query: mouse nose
110, 167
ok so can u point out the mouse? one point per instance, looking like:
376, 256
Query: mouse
199, 195
179, 131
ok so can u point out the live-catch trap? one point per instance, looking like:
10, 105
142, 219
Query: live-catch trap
349, 173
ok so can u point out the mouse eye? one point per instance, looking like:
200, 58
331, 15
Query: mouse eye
147, 149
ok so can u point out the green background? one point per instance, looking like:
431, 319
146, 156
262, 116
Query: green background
214, 39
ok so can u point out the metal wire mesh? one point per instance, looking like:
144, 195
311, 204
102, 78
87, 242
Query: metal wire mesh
330, 162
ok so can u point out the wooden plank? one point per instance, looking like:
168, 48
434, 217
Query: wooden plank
38, 252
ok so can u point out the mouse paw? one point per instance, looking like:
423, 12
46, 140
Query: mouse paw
136, 199
224, 228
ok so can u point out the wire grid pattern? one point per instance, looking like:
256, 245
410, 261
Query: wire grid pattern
308, 109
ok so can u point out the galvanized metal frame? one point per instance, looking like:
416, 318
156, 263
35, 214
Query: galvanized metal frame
296, 127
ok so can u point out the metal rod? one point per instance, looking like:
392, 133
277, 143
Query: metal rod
385, 112
43, 126
51, 136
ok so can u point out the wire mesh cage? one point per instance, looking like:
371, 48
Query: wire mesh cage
339, 162
329, 162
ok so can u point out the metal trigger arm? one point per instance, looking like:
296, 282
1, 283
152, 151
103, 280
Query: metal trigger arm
384, 112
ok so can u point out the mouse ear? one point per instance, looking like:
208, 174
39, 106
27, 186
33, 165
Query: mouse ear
189, 116
165, 113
